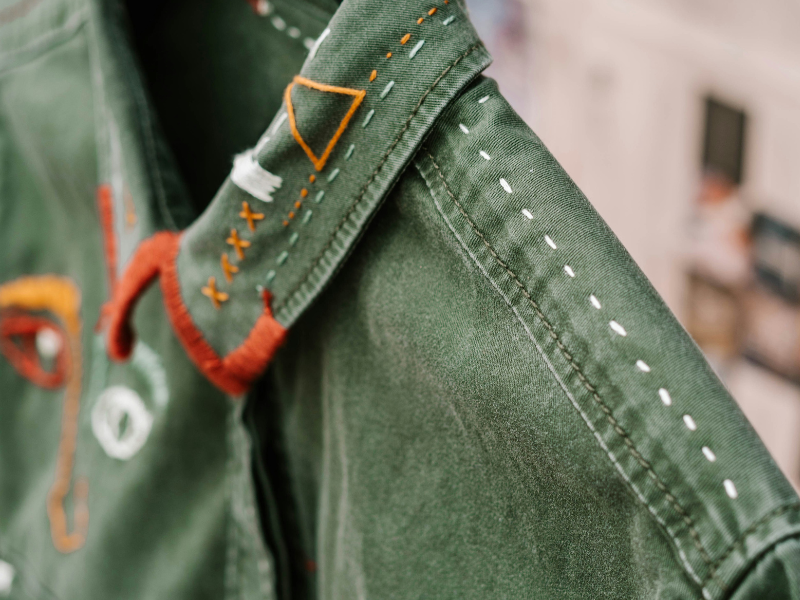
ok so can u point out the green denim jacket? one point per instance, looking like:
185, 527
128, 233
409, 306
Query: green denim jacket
393, 352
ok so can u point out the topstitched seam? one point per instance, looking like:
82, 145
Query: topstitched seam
749, 531
590, 387
372, 177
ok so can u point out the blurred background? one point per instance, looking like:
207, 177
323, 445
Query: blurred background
680, 120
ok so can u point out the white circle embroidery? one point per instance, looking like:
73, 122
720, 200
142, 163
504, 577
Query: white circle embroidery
115, 404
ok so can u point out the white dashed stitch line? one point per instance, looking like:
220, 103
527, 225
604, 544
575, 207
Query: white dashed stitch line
550, 242
293, 32
449, 20
665, 397
642, 366
730, 489
463, 128
689, 422
595, 302
309, 43
482, 100
333, 174
484, 155
387, 89
278, 23
505, 185
527, 213
709, 454
349, 152
368, 118
568, 270
618, 328
416, 49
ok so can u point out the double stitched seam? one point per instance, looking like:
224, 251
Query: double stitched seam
748, 532
372, 177
589, 386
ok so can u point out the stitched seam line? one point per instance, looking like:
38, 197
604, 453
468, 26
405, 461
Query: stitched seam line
372, 177
589, 386
749, 531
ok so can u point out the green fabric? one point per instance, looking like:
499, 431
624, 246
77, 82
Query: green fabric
451, 416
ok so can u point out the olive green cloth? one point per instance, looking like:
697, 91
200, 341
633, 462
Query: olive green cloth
480, 395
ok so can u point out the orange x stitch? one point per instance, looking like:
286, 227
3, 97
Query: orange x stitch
215, 295
250, 216
227, 267
238, 243
358, 96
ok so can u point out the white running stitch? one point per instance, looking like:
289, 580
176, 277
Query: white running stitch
665, 397
482, 100
730, 489
689, 422
618, 328
293, 32
278, 23
595, 302
387, 89
448, 20
550, 242
527, 213
368, 118
484, 155
505, 185
642, 366
576, 406
463, 128
709, 454
416, 49
568, 270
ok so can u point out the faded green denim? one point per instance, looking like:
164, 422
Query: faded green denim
452, 415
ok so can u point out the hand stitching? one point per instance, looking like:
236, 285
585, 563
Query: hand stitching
590, 387
372, 177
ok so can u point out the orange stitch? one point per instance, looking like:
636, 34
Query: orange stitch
388, 55
420, 20
285, 223
213, 293
238, 243
304, 192
358, 95
130, 208
373, 75
291, 215
298, 204
62, 297
312, 178
228, 268
432, 11
405, 39
250, 216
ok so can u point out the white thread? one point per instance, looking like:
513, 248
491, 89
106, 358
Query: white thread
313, 51
709, 454
689, 422
7, 573
463, 128
568, 270
269, 132
293, 32
484, 155
550, 242
505, 185
416, 49
448, 20
263, 8
527, 213
387, 89
48, 342
665, 397
148, 363
684, 560
368, 118
706, 594
482, 100
333, 174
278, 23
595, 302
642, 366
618, 328
113, 405
308, 43
349, 152
730, 489
252, 178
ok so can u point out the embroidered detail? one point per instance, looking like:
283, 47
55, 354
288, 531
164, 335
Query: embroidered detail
505, 186
312, 51
358, 97
690, 423
568, 270
482, 100
105, 207
730, 489
312, 178
405, 38
449, 20
549, 241
304, 192
665, 397
250, 176
38, 338
432, 11
388, 55
238, 243
416, 49
115, 405
595, 302
334, 174
387, 89
463, 128
349, 152
215, 295
420, 20
7, 573
250, 216
373, 75
227, 268
61, 297
368, 118
156, 257
484, 155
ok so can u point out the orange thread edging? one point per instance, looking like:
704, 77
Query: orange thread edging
24, 357
233, 373
105, 207
60, 296
358, 97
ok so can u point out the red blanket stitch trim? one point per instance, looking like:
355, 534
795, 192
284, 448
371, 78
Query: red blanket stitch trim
233, 373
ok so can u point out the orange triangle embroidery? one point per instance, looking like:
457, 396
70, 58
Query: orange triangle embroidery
358, 96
